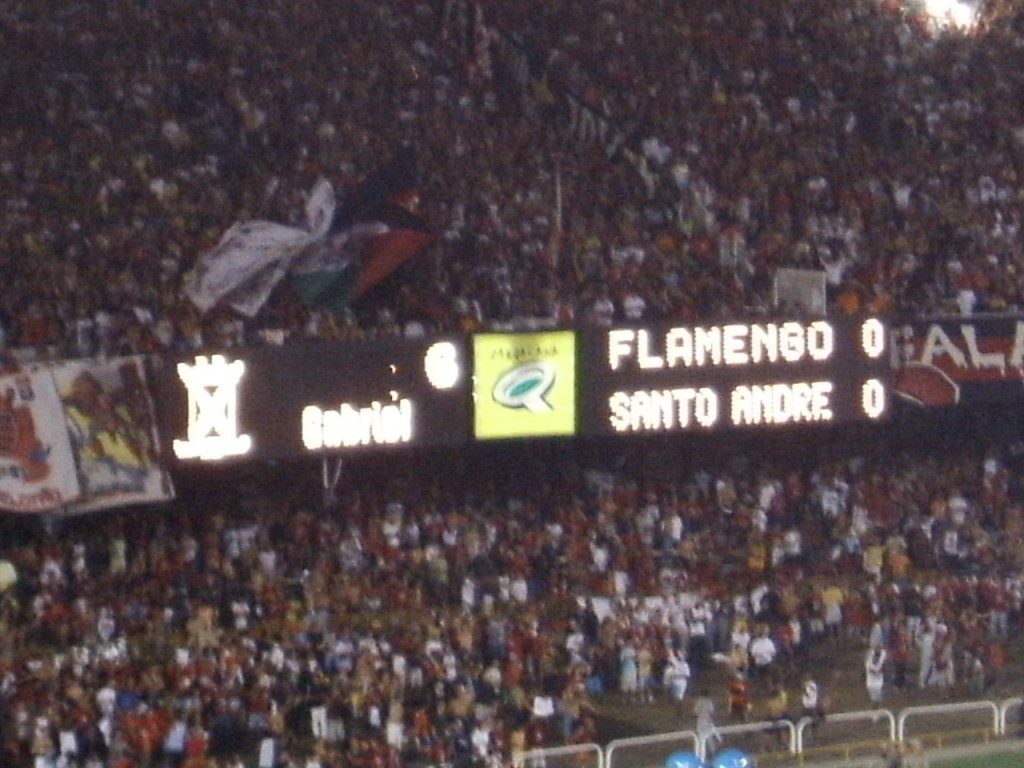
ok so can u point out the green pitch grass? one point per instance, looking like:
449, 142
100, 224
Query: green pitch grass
999, 760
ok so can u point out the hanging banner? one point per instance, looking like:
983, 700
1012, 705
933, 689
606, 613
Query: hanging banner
37, 469
952, 361
109, 417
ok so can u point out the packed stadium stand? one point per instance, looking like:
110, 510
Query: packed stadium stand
846, 137
424, 617
578, 165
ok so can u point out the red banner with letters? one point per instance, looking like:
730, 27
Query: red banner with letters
952, 361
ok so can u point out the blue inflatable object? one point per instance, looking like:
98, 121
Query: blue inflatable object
732, 758
684, 760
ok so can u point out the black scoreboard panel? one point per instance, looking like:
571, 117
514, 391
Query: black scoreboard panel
681, 378
313, 396
323, 397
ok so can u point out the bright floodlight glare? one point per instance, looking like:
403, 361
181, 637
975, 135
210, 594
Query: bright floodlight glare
950, 13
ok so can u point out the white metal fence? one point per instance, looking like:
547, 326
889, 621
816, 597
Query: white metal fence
998, 721
956, 708
570, 756
644, 751
1004, 711
873, 716
721, 738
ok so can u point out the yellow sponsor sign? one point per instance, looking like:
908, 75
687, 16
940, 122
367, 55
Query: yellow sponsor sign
524, 384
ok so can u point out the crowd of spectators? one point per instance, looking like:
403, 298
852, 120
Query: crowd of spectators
459, 624
442, 620
847, 137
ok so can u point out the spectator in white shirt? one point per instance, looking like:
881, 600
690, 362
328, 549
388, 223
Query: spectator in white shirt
762, 654
874, 673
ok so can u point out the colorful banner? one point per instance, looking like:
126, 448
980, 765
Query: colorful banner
109, 417
524, 384
953, 361
37, 468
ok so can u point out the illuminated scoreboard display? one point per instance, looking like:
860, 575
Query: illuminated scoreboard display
688, 378
317, 397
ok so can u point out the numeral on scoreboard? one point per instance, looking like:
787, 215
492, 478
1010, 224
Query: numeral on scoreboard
872, 338
872, 399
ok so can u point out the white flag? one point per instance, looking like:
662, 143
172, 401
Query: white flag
253, 256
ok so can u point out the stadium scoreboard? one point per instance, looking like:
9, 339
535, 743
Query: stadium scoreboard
685, 378
316, 397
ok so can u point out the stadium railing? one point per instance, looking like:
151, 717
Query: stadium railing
762, 726
947, 709
865, 715
642, 744
569, 756
641, 751
1004, 712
